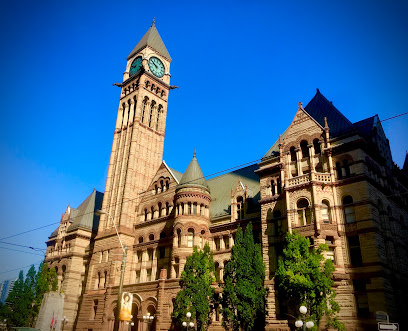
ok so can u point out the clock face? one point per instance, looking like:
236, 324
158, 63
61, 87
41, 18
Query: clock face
135, 67
156, 67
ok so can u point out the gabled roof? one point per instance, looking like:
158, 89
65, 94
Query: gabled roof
365, 126
84, 216
153, 40
193, 174
405, 167
319, 108
221, 186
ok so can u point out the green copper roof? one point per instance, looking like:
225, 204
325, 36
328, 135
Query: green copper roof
193, 174
221, 187
153, 40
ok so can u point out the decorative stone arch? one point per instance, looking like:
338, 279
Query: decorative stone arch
297, 195
194, 226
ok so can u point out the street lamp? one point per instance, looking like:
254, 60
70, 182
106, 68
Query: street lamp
130, 323
122, 273
148, 319
302, 321
188, 323
64, 320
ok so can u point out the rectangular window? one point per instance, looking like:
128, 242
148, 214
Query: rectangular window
360, 294
150, 254
149, 275
137, 280
139, 256
349, 214
190, 239
355, 251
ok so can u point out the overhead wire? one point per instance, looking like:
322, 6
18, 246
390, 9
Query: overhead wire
143, 192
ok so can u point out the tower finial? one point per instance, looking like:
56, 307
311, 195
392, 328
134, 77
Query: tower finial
300, 105
194, 152
154, 21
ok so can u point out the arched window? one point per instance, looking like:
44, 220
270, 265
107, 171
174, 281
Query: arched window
159, 205
189, 208
194, 208
151, 237
152, 107
349, 214
293, 153
162, 185
145, 215
99, 280
303, 211
178, 237
106, 279
240, 208
273, 187
279, 185
145, 101
140, 239
338, 171
201, 209
304, 148
167, 208
316, 145
159, 110
190, 237
325, 210
152, 212
182, 208
346, 168
167, 184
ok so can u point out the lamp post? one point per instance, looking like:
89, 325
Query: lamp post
63, 321
130, 323
148, 319
302, 321
189, 322
122, 272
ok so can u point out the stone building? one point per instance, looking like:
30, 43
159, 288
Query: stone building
329, 179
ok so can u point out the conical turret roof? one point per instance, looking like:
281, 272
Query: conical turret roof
193, 175
153, 40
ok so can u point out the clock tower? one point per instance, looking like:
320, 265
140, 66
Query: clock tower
137, 148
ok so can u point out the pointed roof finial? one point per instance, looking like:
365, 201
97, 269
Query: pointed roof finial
325, 122
300, 105
154, 21
194, 152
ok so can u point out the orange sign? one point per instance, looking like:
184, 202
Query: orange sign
126, 307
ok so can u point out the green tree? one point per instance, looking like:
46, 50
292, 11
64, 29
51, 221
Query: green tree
306, 279
243, 296
24, 301
196, 294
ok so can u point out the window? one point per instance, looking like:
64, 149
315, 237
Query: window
226, 242
149, 275
150, 254
145, 215
338, 170
139, 256
304, 148
349, 214
94, 309
151, 237
293, 153
316, 145
240, 208
151, 113
106, 279
325, 212
355, 251
346, 168
144, 109
99, 280
167, 209
360, 293
152, 213
140, 239
160, 209
137, 280
303, 211
189, 208
179, 237
194, 208
190, 238
217, 244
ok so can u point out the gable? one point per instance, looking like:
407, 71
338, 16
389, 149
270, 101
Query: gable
303, 127
164, 173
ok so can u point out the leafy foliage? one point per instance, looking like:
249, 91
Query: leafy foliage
243, 296
306, 279
24, 301
196, 294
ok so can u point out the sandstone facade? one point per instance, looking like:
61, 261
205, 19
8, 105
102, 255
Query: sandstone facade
329, 179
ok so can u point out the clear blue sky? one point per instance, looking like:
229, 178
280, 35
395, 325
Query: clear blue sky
242, 68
